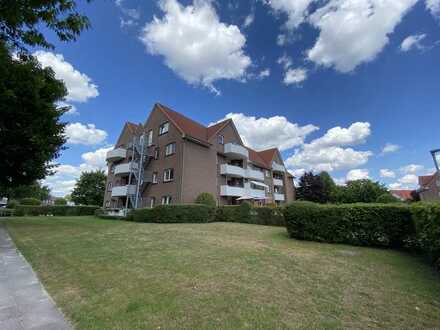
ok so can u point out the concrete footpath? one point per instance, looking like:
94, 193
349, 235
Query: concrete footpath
24, 303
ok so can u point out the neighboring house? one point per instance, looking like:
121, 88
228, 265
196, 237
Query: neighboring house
172, 159
429, 187
403, 195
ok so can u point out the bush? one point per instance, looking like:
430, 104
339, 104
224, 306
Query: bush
12, 204
60, 201
6, 212
140, 215
30, 201
387, 198
56, 210
177, 213
103, 214
356, 224
206, 199
245, 213
427, 222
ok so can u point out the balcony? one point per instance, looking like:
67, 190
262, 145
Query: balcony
254, 174
278, 197
236, 151
278, 182
232, 191
125, 169
122, 191
116, 154
278, 167
233, 171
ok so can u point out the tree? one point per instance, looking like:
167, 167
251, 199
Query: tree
33, 190
90, 188
31, 134
311, 188
361, 191
329, 186
60, 201
387, 198
206, 199
21, 19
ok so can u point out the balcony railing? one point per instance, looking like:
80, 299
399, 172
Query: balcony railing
125, 169
236, 151
122, 191
278, 167
226, 190
231, 170
278, 197
254, 174
116, 154
278, 182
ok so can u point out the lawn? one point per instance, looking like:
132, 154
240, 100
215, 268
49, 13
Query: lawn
108, 274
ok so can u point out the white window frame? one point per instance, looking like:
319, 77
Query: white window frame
267, 173
150, 138
170, 149
167, 175
164, 128
156, 153
154, 178
109, 186
220, 139
152, 201
166, 200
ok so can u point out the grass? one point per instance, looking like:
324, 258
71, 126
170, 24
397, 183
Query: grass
108, 274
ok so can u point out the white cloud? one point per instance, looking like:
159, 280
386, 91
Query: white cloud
296, 10
264, 74
71, 111
357, 174
411, 42
327, 153
434, 7
386, 173
96, 158
395, 186
353, 32
195, 44
389, 148
295, 76
263, 133
281, 39
409, 179
78, 133
412, 169
79, 86
129, 17
285, 61
249, 20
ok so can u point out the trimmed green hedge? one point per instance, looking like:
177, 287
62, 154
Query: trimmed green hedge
427, 221
6, 212
176, 213
388, 225
245, 213
101, 213
30, 201
56, 210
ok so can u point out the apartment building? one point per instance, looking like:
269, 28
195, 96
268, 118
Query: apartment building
429, 187
171, 159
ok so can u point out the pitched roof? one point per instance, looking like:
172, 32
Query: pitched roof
267, 155
132, 127
211, 130
425, 180
403, 194
255, 157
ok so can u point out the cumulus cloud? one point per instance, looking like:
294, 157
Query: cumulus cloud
263, 133
72, 109
264, 74
389, 148
412, 42
296, 10
331, 152
195, 44
79, 86
386, 173
295, 76
412, 169
357, 174
78, 133
409, 179
249, 19
129, 16
434, 7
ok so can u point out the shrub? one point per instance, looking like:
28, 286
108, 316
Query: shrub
177, 213
30, 201
6, 212
356, 224
56, 210
227, 213
245, 213
269, 216
427, 222
387, 198
60, 201
103, 214
12, 204
140, 215
206, 199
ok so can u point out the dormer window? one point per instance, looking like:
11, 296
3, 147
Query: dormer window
221, 139
163, 129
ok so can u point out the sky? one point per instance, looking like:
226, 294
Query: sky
351, 87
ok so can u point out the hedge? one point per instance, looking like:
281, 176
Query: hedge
30, 201
57, 210
103, 214
387, 225
6, 212
245, 213
176, 213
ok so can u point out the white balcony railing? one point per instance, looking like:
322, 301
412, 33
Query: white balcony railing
278, 182
254, 174
278, 197
226, 190
125, 169
278, 167
231, 170
116, 154
236, 151
121, 191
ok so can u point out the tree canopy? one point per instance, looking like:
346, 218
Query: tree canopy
311, 188
33, 190
90, 188
361, 191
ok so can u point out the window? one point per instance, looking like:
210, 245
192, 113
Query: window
109, 186
152, 201
156, 153
166, 200
220, 139
150, 138
164, 128
168, 175
267, 172
112, 169
170, 149
107, 204
154, 177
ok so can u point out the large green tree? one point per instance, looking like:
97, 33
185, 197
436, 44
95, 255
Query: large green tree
21, 21
311, 188
34, 190
329, 188
31, 134
90, 188
361, 191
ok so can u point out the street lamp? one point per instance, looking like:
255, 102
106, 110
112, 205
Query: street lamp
436, 156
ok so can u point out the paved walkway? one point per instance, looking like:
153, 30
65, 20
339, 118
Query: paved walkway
24, 303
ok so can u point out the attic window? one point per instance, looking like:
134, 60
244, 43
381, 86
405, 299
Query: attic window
220, 139
164, 128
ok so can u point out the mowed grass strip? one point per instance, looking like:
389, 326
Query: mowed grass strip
108, 274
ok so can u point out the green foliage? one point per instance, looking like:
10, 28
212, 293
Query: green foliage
30, 201
245, 213
141, 215
90, 188
427, 221
329, 186
31, 134
387, 198
206, 199
6, 212
311, 188
20, 21
60, 201
56, 210
103, 214
176, 213
35, 190
360, 191
355, 224
12, 204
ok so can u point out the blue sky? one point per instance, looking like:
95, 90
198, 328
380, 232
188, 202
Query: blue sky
332, 83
